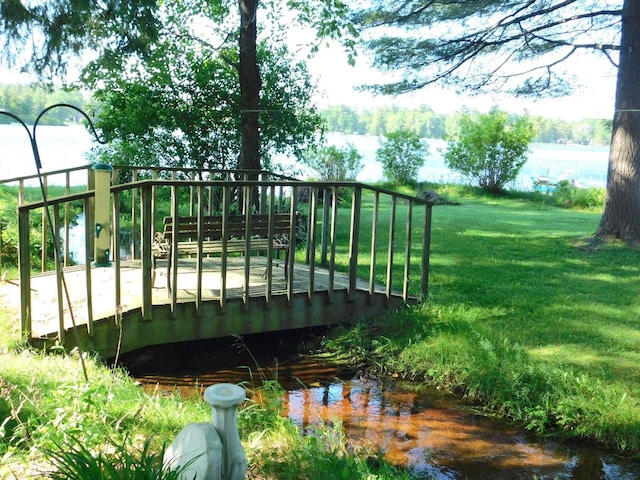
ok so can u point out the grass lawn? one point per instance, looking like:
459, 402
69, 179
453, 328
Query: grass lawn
523, 319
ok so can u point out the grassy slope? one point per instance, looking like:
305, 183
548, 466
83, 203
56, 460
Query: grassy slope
520, 318
524, 320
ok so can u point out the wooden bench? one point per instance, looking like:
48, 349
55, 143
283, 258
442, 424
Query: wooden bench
185, 229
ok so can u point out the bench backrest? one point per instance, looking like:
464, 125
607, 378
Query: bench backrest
187, 227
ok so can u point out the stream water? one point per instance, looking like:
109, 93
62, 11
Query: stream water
433, 434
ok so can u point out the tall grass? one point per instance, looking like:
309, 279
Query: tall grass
53, 424
524, 319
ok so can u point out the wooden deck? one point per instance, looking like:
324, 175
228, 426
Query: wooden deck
252, 314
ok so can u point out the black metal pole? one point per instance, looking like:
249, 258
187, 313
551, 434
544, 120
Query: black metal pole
56, 246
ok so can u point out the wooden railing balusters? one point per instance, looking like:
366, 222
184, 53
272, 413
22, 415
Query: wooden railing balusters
269, 272
175, 213
292, 243
116, 255
134, 216
332, 251
374, 244
426, 252
226, 201
89, 229
311, 241
356, 209
248, 215
146, 199
324, 237
392, 236
407, 260
199, 259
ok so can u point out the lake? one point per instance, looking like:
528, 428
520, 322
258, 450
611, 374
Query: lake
65, 147
587, 165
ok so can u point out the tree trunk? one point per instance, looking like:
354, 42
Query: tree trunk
621, 217
250, 86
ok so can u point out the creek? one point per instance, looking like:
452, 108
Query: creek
433, 434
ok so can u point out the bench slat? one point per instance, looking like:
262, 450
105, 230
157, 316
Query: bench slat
210, 234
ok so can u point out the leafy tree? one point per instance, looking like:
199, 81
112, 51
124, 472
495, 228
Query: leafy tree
489, 149
182, 117
119, 34
401, 155
334, 163
522, 46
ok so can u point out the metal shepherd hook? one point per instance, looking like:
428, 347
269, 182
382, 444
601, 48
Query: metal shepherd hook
56, 246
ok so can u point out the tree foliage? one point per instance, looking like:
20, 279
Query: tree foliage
45, 37
335, 164
189, 115
402, 154
523, 47
490, 149
518, 45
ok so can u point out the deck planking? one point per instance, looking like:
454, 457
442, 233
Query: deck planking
45, 300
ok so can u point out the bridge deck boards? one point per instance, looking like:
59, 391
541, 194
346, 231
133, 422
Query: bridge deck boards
44, 295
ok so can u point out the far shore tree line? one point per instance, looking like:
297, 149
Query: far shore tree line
428, 124
27, 101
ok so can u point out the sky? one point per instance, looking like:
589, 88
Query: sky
337, 80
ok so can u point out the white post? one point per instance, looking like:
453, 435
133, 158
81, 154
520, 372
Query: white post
102, 216
224, 399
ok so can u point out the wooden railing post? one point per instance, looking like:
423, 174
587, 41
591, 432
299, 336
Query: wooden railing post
116, 254
392, 233
426, 252
45, 230
89, 204
59, 273
311, 240
24, 265
353, 240
146, 239
324, 240
67, 221
407, 259
374, 244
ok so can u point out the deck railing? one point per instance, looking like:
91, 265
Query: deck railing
379, 238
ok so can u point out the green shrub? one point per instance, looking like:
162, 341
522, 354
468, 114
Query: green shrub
490, 149
569, 196
402, 154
